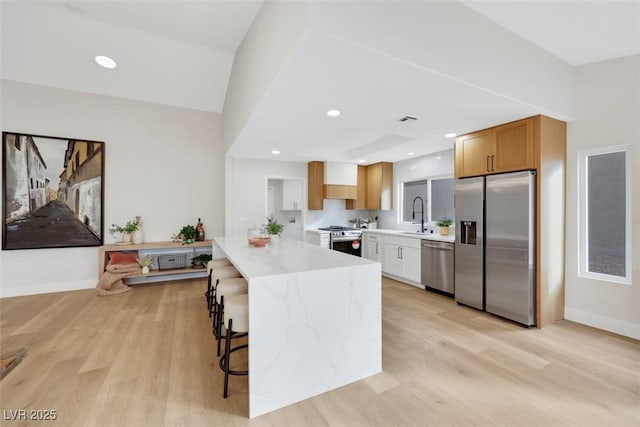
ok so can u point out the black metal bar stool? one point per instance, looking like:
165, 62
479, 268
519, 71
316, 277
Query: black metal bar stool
217, 275
237, 323
212, 265
226, 289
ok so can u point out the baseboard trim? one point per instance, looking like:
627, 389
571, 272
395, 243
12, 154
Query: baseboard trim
46, 288
403, 280
628, 329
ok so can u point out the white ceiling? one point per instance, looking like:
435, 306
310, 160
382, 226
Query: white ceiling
177, 53
577, 31
180, 53
214, 24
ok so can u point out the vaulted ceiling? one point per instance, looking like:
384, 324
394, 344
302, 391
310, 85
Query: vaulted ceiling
180, 53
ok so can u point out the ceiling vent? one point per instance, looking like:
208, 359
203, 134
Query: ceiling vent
407, 118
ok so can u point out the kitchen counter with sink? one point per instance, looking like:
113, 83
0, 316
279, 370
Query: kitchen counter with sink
315, 319
451, 238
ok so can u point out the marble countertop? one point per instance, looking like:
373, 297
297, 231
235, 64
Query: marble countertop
284, 257
451, 238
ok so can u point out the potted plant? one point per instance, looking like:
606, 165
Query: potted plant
186, 235
443, 225
145, 262
273, 228
125, 230
200, 261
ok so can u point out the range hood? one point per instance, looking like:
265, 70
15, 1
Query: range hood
340, 180
331, 180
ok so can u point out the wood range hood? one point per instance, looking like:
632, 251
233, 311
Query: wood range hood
340, 180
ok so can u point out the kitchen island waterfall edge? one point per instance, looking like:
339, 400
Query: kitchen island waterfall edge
315, 319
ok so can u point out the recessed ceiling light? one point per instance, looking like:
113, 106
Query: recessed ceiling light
275, 151
438, 157
410, 153
450, 135
333, 113
361, 161
105, 61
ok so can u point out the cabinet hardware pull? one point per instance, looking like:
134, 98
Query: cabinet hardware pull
493, 166
488, 169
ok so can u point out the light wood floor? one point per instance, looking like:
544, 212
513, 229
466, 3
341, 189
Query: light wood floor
147, 358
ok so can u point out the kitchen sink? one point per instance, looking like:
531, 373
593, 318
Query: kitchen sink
416, 233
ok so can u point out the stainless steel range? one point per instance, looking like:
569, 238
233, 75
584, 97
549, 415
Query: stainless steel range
345, 239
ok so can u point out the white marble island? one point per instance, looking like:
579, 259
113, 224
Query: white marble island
315, 319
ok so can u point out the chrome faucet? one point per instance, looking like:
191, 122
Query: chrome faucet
413, 214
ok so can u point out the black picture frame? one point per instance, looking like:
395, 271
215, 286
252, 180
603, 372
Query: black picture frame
52, 192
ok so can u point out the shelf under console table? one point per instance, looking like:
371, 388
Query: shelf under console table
154, 249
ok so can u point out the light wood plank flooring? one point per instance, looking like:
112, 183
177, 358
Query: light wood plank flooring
147, 358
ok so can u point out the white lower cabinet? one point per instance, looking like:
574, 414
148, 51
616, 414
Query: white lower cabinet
372, 246
318, 238
401, 257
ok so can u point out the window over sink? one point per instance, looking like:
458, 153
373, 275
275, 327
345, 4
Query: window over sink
437, 193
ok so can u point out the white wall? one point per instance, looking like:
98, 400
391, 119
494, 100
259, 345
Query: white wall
411, 170
246, 193
162, 163
608, 99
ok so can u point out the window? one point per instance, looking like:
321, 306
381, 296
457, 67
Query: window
605, 215
437, 193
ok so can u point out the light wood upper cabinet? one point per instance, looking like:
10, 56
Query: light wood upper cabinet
380, 186
505, 148
374, 189
360, 202
473, 153
513, 147
315, 185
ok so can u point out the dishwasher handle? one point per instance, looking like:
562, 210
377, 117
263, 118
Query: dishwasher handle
441, 248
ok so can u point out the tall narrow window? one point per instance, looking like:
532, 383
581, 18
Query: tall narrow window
605, 228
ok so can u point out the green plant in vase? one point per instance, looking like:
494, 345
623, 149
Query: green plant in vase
273, 227
186, 235
443, 225
200, 261
126, 230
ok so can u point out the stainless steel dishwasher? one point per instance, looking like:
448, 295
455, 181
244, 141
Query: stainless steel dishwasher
437, 265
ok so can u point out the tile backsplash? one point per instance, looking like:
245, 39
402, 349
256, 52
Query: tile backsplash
334, 213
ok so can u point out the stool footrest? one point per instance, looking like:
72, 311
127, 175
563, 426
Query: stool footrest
223, 360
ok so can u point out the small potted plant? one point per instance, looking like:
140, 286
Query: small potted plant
273, 228
200, 261
125, 230
186, 235
443, 225
145, 262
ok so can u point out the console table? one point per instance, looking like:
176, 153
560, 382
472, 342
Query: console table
158, 248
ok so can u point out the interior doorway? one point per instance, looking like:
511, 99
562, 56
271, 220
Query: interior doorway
287, 201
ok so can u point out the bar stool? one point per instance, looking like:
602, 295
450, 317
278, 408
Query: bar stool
217, 275
226, 289
211, 265
237, 323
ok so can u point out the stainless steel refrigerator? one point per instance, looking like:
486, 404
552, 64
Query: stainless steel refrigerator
495, 244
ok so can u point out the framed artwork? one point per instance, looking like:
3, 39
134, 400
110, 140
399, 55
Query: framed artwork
52, 192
